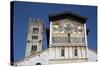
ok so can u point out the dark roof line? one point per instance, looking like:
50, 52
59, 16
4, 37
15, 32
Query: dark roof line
67, 14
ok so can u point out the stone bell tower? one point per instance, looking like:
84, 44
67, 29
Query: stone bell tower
35, 36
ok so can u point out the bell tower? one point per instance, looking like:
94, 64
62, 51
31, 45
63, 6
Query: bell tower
35, 36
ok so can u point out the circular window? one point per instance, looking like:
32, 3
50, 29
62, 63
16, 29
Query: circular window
68, 27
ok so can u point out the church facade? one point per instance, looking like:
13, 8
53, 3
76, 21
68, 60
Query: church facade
67, 41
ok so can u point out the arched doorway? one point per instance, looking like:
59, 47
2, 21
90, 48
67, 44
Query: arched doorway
38, 64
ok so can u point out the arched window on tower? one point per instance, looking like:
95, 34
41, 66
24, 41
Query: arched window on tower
33, 48
35, 30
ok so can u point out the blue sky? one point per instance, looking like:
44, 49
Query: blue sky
23, 10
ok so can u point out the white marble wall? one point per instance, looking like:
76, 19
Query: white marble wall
39, 58
55, 53
49, 57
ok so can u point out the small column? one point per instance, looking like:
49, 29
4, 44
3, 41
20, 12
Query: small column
50, 32
86, 41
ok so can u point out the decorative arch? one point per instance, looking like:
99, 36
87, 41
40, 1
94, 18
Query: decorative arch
38, 64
